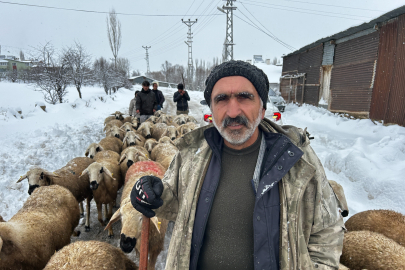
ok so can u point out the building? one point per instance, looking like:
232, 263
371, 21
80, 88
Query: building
140, 79
8, 62
359, 71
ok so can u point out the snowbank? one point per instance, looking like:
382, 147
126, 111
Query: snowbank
273, 72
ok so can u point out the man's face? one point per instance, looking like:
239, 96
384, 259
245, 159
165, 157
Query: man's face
236, 109
180, 90
154, 86
145, 87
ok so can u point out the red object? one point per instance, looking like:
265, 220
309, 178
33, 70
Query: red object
208, 118
143, 258
145, 166
277, 116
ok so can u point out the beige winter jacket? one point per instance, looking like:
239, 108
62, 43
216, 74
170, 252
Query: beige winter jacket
311, 229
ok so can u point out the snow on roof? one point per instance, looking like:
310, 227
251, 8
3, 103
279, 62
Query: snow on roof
273, 72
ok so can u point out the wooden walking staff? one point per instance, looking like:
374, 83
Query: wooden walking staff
143, 260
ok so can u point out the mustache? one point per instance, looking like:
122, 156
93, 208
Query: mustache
240, 119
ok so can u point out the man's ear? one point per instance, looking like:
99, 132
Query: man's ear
263, 112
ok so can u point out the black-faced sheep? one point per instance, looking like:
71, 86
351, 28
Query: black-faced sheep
372, 251
164, 152
90, 255
340, 194
131, 155
67, 176
115, 132
133, 138
132, 219
104, 180
107, 143
150, 144
116, 116
146, 129
387, 222
41, 227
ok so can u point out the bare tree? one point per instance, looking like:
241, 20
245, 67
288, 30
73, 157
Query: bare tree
22, 57
123, 65
78, 62
50, 74
136, 73
103, 74
114, 33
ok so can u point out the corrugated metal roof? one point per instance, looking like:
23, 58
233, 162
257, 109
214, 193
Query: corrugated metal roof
355, 29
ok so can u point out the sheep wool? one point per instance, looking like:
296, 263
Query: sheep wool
89, 255
43, 225
387, 222
371, 251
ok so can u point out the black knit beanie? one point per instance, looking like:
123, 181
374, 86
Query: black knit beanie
238, 68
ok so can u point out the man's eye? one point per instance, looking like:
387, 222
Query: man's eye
221, 98
245, 96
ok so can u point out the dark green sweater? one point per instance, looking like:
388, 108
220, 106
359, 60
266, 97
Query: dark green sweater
228, 238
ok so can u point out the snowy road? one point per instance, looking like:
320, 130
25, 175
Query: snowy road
368, 160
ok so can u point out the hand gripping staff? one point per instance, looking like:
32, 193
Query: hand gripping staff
145, 196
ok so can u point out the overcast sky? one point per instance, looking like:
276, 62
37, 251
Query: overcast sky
294, 22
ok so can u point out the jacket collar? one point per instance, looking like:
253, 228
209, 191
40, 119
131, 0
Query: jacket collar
143, 91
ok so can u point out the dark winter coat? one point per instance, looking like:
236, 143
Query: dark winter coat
146, 102
159, 97
181, 100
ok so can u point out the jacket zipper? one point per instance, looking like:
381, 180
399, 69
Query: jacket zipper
277, 157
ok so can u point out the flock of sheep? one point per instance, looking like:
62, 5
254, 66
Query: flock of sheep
38, 236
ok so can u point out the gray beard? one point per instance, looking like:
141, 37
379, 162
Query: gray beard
238, 137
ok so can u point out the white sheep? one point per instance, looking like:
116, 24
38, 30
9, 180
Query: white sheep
161, 129
41, 227
152, 119
164, 152
128, 126
145, 129
107, 143
158, 113
116, 116
133, 138
128, 119
131, 155
387, 222
150, 144
105, 178
185, 128
370, 250
113, 123
90, 255
132, 219
115, 132
68, 177
107, 154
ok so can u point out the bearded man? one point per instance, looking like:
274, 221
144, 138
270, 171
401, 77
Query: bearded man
244, 193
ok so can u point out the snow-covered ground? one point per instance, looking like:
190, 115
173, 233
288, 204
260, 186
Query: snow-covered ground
367, 159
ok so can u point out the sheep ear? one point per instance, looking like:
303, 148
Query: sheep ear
51, 174
107, 172
22, 178
125, 139
155, 222
114, 218
122, 159
84, 172
1, 243
87, 152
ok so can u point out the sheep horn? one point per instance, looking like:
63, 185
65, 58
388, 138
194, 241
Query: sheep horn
22, 178
155, 221
122, 159
114, 218
107, 172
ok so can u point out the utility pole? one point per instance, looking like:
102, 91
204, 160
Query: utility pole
189, 42
147, 58
228, 44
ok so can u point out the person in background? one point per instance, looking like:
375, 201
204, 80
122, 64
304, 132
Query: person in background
132, 108
181, 97
146, 104
159, 95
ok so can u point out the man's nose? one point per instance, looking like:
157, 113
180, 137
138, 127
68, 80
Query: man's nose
233, 109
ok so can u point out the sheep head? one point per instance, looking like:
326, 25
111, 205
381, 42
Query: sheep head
131, 221
165, 139
135, 123
37, 177
180, 119
128, 127
145, 129
96, 173
150, 144
93, 149
118, 115
153, 119
131, 138
133, 155
115, 132
170, 132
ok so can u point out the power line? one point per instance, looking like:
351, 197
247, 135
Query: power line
304, 12
334, 6
274, 36
336, 13
99, 12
